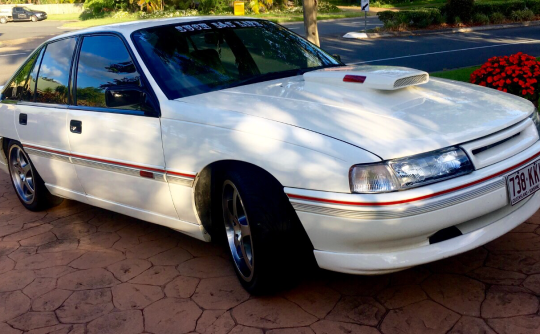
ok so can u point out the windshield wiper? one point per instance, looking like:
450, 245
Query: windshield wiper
277, 75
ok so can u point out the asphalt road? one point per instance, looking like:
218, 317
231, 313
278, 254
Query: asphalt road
436, 52
429, 53
16, 30
11, 58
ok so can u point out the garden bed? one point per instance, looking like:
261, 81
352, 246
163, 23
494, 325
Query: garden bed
460, 74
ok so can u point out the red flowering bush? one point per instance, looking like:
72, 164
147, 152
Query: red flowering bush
516, 74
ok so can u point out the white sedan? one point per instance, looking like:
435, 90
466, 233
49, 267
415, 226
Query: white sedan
238, 130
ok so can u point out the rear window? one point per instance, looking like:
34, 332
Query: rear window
200, 57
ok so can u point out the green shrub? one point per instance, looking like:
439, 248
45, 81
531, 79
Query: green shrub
327, 7
506, 7
387, 16
460, 8
522, 15
533, 5
99, 6
497, 18
528, 15
419, 18
481, 19
214, 7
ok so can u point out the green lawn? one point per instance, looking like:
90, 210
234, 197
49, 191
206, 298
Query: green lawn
462, 74
278, 18
63, 17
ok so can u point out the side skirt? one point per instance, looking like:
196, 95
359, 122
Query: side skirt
193, 230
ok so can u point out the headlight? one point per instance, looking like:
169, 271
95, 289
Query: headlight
411, 172
536, 119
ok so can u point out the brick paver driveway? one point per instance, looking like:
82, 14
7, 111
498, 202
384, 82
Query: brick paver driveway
78, 269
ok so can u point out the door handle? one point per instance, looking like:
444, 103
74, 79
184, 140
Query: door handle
75, 126
23, 119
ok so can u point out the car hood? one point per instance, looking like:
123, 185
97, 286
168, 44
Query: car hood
388, 123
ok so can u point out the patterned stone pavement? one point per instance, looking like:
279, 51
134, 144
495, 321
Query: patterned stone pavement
77, 269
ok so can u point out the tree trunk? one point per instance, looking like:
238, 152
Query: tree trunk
310, 21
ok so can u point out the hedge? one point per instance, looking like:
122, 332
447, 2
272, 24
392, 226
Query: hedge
506, 8
422, 18
419, 18
459, 8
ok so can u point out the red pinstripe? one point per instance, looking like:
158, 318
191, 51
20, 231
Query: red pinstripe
111, 162
330, 201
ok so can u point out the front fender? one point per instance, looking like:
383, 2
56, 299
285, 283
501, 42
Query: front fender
195, 136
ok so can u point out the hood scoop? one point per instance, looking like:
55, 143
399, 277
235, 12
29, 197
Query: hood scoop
374, 77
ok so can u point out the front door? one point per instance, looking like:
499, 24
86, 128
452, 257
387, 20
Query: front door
21, 14
116, 144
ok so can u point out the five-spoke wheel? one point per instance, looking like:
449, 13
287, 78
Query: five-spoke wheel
22, 174
238, 231
267, 242
26, 181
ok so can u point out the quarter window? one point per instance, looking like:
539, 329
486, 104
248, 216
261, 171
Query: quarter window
30, 86
105, 64
14, 89
53, 77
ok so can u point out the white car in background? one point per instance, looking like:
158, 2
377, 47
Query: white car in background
237, 129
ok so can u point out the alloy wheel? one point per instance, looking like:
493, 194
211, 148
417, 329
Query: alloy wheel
238, 231
22, 174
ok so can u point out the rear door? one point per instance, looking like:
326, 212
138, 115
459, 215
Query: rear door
41, 116
115, 132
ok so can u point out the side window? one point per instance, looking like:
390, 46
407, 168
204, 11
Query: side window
53, 77
107, 76
30, 86
13, 90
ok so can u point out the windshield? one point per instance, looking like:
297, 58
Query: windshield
200, 57
26, 9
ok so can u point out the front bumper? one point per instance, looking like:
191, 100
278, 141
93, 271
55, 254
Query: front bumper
381, 263
375, 234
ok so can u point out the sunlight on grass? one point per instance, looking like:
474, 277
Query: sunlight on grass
462, 74
63, 17
278, 18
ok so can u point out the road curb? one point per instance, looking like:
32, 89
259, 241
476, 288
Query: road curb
363, 35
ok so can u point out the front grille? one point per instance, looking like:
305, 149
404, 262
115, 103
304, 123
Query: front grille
410, 81
485, 148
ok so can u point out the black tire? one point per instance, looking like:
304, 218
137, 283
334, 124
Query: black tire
280, 248
41, 198
34, 18
3, 20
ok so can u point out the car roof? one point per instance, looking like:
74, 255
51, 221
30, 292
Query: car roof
127, 28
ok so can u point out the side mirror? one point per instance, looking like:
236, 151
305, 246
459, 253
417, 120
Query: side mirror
124, 97
337, 57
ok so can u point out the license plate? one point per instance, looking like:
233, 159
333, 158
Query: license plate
524, 182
